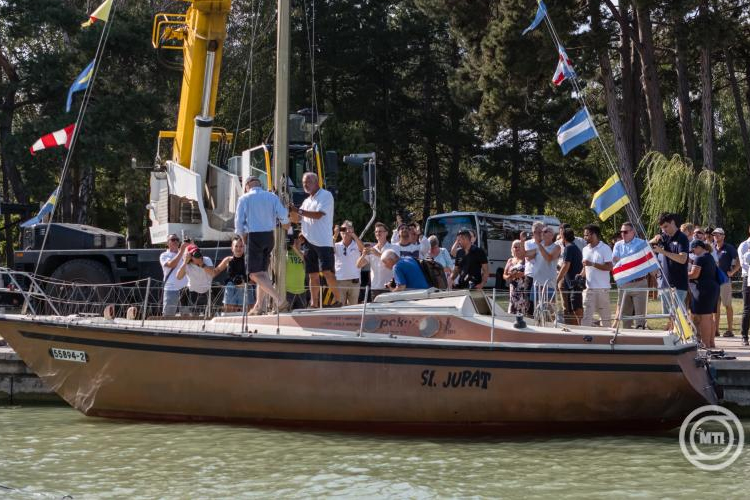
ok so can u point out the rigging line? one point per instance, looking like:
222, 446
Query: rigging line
248, 73
78, 123
310, 28
635, 217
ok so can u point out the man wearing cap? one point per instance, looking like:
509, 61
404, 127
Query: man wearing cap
316, 216
258, 211
728, 261
169, 260
199, 271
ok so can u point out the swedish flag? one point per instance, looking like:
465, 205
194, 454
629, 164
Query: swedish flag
610, 198
81, 83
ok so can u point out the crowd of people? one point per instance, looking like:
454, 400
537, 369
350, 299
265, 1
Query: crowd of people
316, 251
696, 265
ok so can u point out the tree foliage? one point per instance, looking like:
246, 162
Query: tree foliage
458, 106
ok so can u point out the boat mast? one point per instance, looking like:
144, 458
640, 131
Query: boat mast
280, 138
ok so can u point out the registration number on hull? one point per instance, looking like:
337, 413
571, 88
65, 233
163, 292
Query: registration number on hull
68, 355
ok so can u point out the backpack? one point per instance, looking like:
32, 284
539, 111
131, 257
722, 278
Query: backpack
433, 273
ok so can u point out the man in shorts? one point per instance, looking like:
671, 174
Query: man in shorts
316, 216
258, 211
728, 260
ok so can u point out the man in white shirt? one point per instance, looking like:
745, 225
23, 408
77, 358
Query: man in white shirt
597, 264
258, 211
347, 252
169, 261
380, 275
316, 216
744, 252
200, 272
530, 245
407, 245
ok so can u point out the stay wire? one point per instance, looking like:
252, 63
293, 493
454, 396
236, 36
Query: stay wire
78, 123
635, 217
248, 76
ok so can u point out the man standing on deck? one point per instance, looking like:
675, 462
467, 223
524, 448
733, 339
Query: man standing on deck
258, 211
316, 216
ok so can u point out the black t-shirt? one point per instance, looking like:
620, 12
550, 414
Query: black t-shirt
470, 266
572, 254
727, 254
673, 273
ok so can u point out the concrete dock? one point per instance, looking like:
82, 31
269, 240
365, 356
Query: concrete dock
18, 384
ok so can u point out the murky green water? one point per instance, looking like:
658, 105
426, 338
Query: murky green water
48, 452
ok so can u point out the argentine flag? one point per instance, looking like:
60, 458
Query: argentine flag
577, 131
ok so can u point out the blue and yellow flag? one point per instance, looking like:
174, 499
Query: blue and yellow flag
610, 198
81, 83
46, 209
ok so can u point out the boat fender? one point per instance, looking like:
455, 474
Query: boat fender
132, 312
109, 312
429, 326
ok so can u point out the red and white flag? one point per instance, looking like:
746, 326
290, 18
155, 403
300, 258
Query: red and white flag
60, 137
564, 68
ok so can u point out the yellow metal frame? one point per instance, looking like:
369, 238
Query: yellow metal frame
204, 23
269, 172
162, 20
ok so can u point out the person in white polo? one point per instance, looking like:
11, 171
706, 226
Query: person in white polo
316, 216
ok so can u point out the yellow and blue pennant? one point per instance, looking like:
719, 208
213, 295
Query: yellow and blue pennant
610, 198
81, 83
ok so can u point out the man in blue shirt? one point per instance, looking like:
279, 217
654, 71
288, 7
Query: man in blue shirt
633, 303
407, 273
258, 211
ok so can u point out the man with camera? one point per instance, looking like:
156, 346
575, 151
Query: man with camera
258, 212
671, 247
346, 253
633, 303
200, 273
472, 270
169, 261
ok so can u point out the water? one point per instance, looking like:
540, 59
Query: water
49, 452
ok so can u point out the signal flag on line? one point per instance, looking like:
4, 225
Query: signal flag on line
100, 14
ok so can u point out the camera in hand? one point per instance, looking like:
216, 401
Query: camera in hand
238, 280
392, 283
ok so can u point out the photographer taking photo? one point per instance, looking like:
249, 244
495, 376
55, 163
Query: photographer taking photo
671, 247
236, 280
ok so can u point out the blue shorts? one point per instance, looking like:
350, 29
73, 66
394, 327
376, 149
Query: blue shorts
681, 294
233, 294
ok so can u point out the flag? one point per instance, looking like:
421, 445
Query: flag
637, 262
541, 11
578, 130
564, 68
610, 198
60, 137
81, 83
46, 209
100, 14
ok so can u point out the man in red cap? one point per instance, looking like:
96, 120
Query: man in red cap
199, 271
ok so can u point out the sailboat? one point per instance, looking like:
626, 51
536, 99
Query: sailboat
412, 362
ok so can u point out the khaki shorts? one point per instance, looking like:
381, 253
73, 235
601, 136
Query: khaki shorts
725, 293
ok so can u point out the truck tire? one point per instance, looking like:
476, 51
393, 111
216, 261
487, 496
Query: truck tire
83, 271
76, 300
